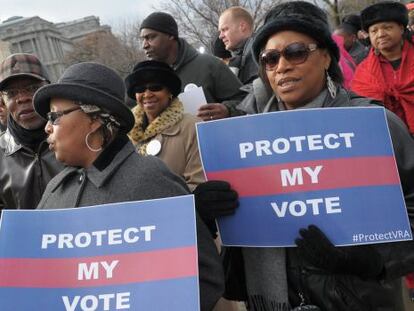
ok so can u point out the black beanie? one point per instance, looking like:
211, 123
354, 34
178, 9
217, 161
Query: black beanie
162, 22
383, 12
351, 23
219, 50
300, 16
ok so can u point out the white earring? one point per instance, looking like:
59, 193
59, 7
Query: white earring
89, 146
331, 85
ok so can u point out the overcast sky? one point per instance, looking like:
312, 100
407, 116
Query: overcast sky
111, 12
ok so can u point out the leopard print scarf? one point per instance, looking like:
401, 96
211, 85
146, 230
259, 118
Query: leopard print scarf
141, 137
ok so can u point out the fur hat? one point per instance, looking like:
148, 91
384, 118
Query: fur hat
152, 71
299, 16
162, 22
20, 65
383, 12
89, 83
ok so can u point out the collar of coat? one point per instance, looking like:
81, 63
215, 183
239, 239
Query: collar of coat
10, 146
103, 168
141, 135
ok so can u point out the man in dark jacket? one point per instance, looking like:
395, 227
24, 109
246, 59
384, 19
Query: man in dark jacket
3, 116
236, 30
26, 163
160, 41
349, 28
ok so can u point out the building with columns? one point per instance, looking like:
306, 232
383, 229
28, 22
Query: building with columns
49, 41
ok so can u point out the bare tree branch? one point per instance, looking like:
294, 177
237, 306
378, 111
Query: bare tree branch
198, 19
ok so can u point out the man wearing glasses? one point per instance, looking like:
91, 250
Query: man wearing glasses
26, 163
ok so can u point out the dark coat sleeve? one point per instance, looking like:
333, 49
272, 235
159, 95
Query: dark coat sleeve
211, 276
399, 256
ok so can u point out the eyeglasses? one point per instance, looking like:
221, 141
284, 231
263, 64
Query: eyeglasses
295, 53
12, 93
54, 116
151, 87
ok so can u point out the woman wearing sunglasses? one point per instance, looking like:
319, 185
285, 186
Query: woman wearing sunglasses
298, 61
87, 130
161, 127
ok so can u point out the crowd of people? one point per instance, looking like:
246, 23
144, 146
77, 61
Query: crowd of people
76, 143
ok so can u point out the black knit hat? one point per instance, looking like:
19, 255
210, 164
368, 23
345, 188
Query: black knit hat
383, 12
219, 49
152, 71
299, 16
351, 23
162, 22
89, 83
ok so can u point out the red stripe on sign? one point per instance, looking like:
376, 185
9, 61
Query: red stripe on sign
334, 174
131, 268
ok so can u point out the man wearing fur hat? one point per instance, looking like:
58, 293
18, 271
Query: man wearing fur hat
387, 73
26, 163
160, 41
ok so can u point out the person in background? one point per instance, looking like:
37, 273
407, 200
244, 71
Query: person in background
349, 28
410, 26
3, 115
236, 30
26, 163
87, 126
346, 63
160, 41
161, 127
387, 74
298, 60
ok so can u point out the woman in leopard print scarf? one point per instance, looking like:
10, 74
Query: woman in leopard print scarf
161, 127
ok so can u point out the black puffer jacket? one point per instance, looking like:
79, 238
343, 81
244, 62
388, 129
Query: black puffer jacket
347, 292
24, 173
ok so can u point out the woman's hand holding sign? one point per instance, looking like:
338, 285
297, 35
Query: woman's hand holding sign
315, 247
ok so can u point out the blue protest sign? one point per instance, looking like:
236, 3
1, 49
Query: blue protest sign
332, 167
123, 256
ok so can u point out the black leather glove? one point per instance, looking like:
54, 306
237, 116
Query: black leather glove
215, 198
316, 248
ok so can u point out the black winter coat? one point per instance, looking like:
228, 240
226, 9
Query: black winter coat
347, 292
24, 173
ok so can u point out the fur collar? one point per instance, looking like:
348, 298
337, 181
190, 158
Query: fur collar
141, 135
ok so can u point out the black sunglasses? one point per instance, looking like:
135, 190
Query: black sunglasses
295, 53
155, 87
54, 116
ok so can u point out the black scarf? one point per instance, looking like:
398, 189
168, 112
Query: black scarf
27, 138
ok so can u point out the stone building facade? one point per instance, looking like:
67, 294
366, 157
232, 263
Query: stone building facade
49, 41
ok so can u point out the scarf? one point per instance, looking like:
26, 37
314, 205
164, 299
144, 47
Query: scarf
27, 138
141, 134
266, 278
369, 81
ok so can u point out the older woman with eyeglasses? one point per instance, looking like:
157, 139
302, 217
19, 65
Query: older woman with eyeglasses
387, 74
298, 61
161, 127
87, 126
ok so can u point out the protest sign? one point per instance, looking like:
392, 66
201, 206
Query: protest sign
123, 256
332, 167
